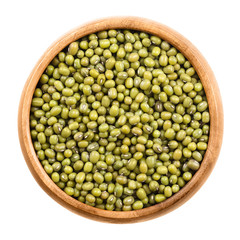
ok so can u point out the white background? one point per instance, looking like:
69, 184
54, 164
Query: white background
27, 28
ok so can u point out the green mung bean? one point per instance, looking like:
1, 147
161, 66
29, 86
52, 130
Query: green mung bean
120, 120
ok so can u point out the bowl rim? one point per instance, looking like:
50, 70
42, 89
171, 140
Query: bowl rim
215, 109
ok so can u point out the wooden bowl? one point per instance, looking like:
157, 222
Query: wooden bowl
215, 107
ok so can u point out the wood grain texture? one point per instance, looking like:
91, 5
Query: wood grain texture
215, 107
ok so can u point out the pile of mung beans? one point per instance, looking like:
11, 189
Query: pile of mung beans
119, 120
